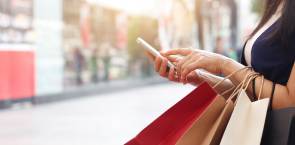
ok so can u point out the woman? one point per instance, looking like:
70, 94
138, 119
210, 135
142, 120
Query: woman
270, 50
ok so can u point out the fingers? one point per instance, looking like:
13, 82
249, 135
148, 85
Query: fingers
179, 65
184, 65
172, 76
157, 64
163, 67
179, 51
191, 59
184, 68
190, 67
173, 58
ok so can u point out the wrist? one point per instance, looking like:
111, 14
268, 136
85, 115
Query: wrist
196, 78
225, 65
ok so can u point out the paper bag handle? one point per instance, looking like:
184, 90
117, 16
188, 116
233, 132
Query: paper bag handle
261, 88
230, 75
243, 85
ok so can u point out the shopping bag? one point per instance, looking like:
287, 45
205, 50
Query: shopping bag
199, 118
214, 134
280, 127
187, 122
247, 121
246, 124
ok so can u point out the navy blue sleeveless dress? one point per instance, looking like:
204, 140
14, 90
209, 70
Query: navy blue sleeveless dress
270, 59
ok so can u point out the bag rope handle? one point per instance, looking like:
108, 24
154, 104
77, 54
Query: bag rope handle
261, 88
243, 85
230, 75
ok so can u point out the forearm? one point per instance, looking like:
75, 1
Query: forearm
212, 80
282, 96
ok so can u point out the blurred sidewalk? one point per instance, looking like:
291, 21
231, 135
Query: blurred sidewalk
102, 87
104, 119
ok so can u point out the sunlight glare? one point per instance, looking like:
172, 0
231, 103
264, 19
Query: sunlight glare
130, 6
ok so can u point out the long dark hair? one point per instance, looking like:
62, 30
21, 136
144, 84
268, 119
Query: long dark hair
285, 27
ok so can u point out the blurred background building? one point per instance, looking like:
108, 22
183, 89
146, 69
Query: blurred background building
48, 47
52, 50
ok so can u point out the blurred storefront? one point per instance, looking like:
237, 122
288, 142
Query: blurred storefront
217, 19
48, 26
199, 24
224, 25
99, 46
177, 25
49, 46
16, 51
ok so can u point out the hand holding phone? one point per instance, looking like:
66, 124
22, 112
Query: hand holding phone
152, 50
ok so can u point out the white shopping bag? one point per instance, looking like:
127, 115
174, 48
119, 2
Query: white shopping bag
246, 124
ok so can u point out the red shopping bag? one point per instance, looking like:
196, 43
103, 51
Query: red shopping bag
171, 126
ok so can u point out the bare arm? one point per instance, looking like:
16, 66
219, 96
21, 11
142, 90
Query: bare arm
284, 96
212, 80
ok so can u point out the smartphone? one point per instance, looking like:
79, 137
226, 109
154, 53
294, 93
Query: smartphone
152, 50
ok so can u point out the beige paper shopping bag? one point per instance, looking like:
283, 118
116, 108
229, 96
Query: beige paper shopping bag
215, 134
246, 124
205, 128
209, 128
